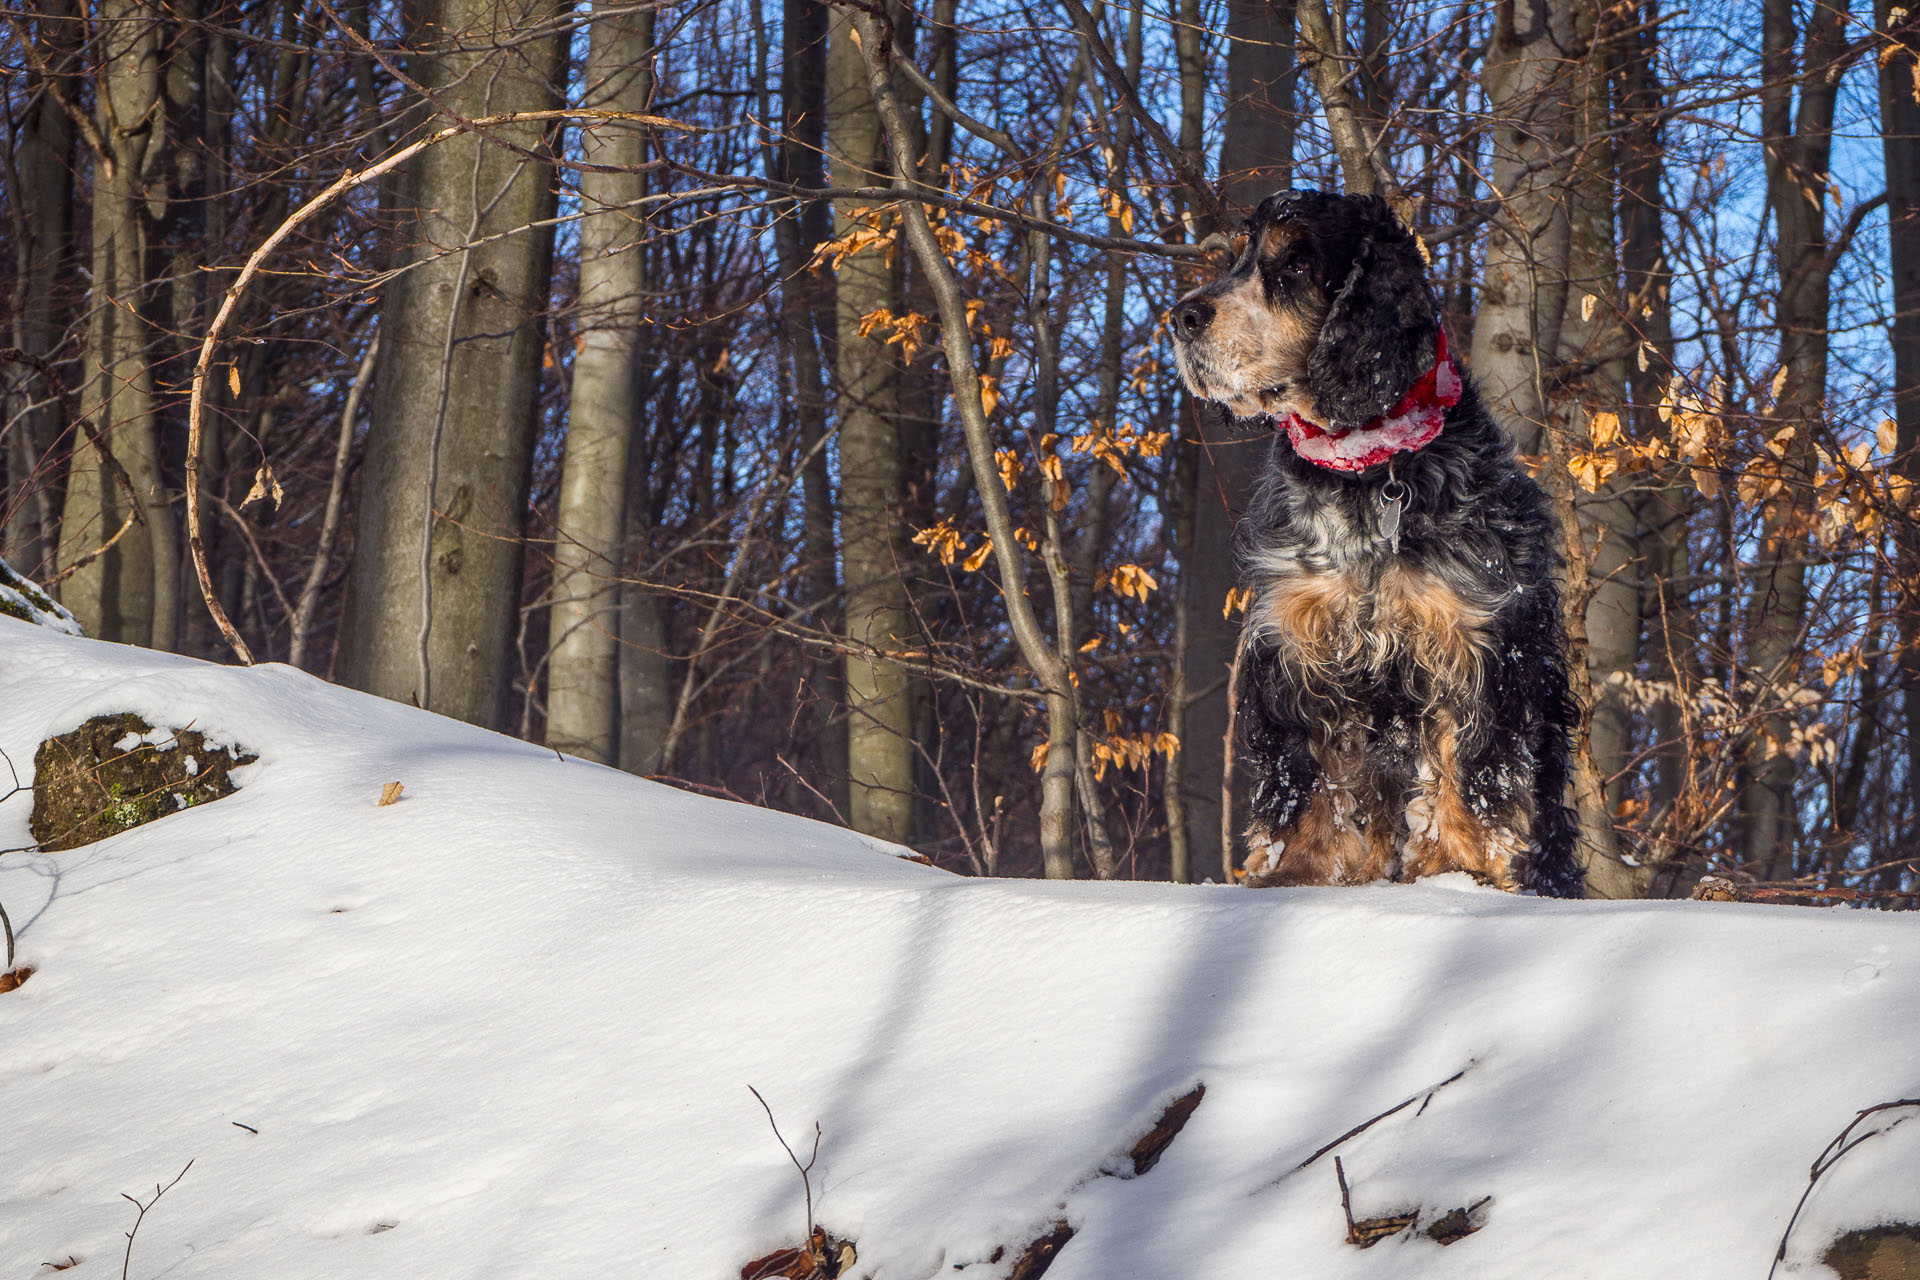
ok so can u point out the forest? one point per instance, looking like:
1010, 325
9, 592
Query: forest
774, 397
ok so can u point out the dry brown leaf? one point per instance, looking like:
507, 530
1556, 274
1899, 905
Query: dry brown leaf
1887, 436
264, 487
390, 794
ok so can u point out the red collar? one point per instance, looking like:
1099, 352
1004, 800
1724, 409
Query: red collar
1409, 425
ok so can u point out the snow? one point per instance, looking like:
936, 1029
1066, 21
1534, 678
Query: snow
21, 598
506, 1027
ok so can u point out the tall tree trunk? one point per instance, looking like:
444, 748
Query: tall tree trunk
129, 594
1540, 80
583, 668
1602, 605
806, 296
1667, 504
878, 619
42, 209
433, 596
1256, 158
1798, 144
1900, 133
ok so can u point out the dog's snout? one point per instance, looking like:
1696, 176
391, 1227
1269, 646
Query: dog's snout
1192, 317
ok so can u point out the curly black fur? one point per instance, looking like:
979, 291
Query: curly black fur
1473, 529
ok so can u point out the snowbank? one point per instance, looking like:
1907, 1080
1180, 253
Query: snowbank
506, 1027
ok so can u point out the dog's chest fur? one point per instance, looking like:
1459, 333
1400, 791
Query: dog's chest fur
1351, 616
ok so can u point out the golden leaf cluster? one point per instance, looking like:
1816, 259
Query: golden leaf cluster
1118, 750
1111, 447
873, 228
908, 332
1126, 580
942, 540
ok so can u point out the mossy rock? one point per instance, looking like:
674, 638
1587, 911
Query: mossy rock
20, 598
116, 772
1877, 1253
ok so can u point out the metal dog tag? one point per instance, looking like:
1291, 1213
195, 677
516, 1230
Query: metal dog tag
1393, 499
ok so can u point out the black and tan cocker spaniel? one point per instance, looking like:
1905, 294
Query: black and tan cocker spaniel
1403, 707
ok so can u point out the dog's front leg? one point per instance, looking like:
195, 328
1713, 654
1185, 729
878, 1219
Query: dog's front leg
1302, 826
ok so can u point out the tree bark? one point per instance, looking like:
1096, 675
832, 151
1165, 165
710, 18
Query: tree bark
43, 161
1798, 143
1900, 134
583, 668
130, 594
878, 620
1256, 158
433, 595
1667, 506
806, 320
1602, 605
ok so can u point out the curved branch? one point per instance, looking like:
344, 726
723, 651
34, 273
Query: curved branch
196, 404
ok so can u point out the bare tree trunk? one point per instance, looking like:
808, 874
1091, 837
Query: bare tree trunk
432, 598
806, 297
583, 699
1900, 135
1523, 281
1667, 505
131, 593
1256, 158
878, 617
1051, 673
1602, 605
42, 210
1798, 147
1540, 79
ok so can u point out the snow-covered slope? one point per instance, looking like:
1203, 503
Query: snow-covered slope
506, 1027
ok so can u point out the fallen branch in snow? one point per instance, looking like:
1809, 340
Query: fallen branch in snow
1154, 1143
1364, 1233
1368, 1232
1365, 1125
1725, 889
1830, 1156
126, 1262
1040, 1253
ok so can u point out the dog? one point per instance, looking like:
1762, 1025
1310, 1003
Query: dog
1402, 704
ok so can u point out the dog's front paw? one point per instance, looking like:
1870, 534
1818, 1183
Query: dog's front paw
1264, 850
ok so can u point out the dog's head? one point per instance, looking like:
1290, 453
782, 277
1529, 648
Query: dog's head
1325, 313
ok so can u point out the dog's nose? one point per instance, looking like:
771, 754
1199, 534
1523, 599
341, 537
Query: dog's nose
1192, 318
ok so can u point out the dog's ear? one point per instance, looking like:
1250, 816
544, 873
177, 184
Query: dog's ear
1380, 332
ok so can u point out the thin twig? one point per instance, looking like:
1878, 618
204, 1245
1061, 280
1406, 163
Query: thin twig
1830, 1156
158, 1191
806, 1183
1226, 759
336, 500
1346, 1201
1423, 1097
